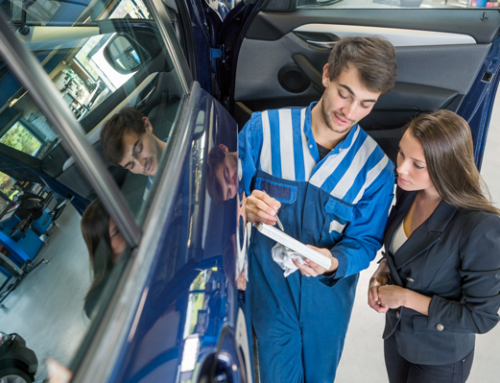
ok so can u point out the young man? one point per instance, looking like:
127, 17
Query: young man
222, 174
127, 140
332, 186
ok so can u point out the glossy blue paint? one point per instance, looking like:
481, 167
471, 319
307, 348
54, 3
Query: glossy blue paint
477, 106
191, 294
202, 42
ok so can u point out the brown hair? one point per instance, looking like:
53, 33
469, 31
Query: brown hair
215, 158
373, 57
128, 120
95, 231
447, 142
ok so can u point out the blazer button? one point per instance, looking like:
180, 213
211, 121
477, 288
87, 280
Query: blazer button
439, 327
397, 314
410, 279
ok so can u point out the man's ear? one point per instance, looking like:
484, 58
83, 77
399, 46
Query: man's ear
224, 148
147, 125
326, 76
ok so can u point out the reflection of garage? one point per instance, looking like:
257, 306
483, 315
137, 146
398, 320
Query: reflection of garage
46, 307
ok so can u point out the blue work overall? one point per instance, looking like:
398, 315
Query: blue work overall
341, 203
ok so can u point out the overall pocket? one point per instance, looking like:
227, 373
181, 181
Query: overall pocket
283, 192
338, 214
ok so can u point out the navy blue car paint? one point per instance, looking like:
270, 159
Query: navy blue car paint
477, 106
201, 41
195, 264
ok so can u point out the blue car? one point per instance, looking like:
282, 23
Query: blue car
172, 305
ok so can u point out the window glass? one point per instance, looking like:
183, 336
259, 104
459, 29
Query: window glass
109, 58
423, 4
59, 248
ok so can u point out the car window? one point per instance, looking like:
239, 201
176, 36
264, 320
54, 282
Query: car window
61, 253
373, 4
111, 57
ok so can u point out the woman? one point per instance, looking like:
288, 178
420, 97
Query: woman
104, 243
439, 282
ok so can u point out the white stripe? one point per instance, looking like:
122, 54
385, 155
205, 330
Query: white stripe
331, 163
286, 145
309, 162
357, 164
372, 176
337, 226
266, 163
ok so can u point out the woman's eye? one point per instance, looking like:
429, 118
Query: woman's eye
418, 166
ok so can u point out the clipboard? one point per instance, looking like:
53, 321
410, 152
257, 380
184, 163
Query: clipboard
292, 243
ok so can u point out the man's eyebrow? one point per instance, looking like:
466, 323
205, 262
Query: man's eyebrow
351, 92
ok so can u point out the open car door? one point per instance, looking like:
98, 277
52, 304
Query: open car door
447, 59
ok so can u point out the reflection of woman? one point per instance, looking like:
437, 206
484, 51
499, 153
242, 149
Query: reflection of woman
440, 280
104, 243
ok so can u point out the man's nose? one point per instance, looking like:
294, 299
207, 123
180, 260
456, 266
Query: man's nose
349, 110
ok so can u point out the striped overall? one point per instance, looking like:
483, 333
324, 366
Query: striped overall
341, 203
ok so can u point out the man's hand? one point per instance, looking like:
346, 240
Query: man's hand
379, 278
312, 269
261, 208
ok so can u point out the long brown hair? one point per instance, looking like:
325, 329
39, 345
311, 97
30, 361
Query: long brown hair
447, 142
95, 231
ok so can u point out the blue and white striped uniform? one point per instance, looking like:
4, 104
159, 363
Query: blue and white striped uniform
341, 203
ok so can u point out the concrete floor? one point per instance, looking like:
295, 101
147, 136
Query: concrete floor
46, 309
363, 358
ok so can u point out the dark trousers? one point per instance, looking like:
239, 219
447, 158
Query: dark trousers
402, 371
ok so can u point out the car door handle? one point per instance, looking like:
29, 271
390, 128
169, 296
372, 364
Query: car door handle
322, 44
309, 71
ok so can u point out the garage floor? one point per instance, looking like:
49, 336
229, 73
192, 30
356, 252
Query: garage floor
363, 358
46, 309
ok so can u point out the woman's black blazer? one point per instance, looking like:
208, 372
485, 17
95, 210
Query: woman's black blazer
454, 258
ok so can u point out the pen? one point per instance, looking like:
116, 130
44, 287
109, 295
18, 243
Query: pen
278, 221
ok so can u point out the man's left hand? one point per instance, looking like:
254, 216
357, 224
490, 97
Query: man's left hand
312, 269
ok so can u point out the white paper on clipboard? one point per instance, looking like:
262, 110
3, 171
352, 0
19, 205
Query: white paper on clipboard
292, 243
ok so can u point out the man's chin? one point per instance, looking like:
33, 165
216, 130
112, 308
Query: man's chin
340, 129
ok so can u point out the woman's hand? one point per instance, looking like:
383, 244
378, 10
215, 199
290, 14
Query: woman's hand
379, 278
312, 269
392, 296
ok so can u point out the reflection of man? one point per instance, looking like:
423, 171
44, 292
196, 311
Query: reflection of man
127, 140
222, 174
222, 178
331, 186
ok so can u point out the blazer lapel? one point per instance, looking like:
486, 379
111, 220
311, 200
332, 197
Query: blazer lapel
397, 215
425, 235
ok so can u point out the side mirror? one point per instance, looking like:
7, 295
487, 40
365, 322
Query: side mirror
125, 55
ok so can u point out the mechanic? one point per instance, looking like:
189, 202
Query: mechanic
222, 174
331, 186
127, 140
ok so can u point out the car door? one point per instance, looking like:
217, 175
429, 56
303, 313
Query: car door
447, 55
174, 306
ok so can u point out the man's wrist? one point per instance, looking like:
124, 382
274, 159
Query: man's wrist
333, 268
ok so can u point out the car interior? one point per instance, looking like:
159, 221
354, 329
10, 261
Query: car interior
439, 52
